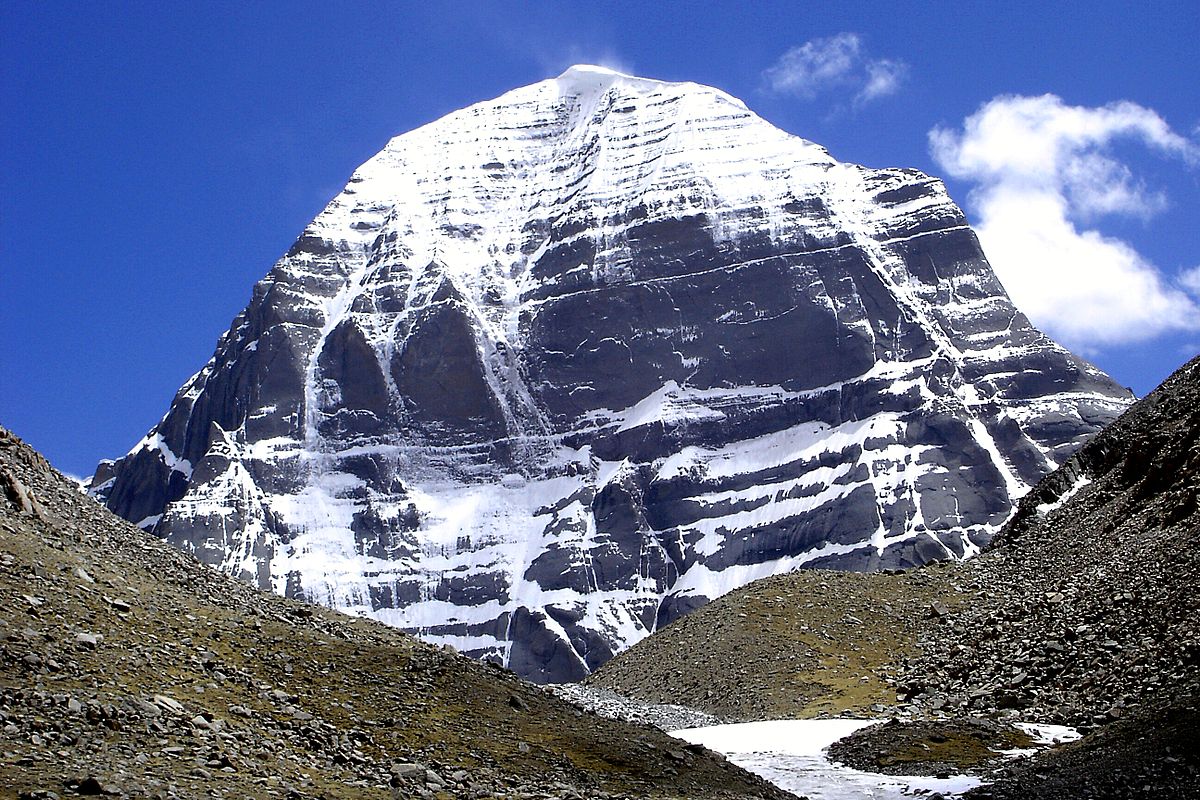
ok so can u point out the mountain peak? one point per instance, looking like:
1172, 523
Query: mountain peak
586, 79
578, 70
563, 365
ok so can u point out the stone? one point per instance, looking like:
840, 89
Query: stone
88, 641
19, 496
90, 786
168, 704
147, 709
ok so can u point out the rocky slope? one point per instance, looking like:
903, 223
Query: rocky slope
128, 669
564, 365
1151, 754
1085, 610
1089, 602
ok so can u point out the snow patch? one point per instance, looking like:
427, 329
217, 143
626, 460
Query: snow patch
790, 754
1045, 508
155, 441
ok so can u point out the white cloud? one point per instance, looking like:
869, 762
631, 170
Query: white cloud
1044, 174
834, 63
1190, 279
883, 78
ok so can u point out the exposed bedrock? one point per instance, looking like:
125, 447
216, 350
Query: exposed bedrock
562, 366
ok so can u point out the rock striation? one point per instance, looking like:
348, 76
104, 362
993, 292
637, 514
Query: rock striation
564, 365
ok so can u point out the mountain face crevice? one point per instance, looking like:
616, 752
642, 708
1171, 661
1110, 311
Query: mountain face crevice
566, 364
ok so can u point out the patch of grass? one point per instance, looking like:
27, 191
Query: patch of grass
929, 747
962, 750
805, 644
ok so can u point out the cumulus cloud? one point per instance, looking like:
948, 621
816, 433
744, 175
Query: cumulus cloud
835, 63
1044, 175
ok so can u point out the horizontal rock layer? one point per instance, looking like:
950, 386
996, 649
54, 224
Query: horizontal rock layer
562, 366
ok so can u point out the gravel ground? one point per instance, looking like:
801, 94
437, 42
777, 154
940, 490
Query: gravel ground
1154, 754
930, 748
608, 703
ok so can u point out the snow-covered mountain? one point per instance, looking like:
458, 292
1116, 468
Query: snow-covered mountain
563, 365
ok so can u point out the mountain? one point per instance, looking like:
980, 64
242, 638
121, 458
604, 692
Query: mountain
130, 670
1084, 610
562, 366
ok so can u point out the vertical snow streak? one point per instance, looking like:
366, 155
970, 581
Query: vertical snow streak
334, 311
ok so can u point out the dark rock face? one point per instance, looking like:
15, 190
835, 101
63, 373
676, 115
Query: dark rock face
441, 379
567, 364
348, 361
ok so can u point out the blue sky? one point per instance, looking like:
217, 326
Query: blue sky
156, 158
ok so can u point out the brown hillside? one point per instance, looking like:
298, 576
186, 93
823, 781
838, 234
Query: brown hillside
127, 668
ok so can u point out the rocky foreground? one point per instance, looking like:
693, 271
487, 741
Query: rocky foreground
128, 669
1085, 611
